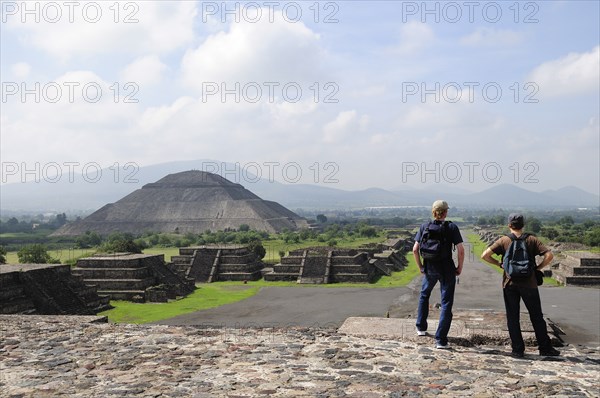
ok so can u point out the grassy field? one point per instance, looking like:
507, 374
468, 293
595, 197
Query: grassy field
477, 246
204, 297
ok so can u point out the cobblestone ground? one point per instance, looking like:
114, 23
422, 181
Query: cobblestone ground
72, 358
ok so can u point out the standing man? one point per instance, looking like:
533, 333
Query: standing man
438, 268
516, 289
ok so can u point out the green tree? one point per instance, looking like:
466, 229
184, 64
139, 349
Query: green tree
566, 221
592, 238
534, 225
367, 231
321, 218
120, 243
244, 228
257, 248
34, 254
550, 232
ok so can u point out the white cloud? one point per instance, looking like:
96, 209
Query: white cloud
414, 38
345, 123
160, 28
279, 52
21, 70
576, 73
144, 71
490, 37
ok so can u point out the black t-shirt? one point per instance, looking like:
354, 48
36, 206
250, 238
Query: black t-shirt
453, 237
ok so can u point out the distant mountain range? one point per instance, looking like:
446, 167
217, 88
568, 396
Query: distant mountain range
86, 196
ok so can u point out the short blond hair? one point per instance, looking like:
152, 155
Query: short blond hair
439, 208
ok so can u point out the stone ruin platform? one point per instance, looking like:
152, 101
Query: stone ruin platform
133, 277
48, 289
327, 265
213, 263
578, 269
468, 328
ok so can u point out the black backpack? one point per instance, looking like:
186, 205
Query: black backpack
433, 243
517, 262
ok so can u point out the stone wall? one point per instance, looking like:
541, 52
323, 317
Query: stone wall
47, 289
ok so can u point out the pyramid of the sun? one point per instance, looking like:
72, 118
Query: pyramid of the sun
190, 201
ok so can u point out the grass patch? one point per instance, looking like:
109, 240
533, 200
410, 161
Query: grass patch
205, 297
167, 251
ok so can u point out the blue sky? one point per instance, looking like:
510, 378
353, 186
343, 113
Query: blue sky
375, 133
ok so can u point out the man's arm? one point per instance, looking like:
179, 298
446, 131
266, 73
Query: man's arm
461, 258
487, 256
548, 257
418, 257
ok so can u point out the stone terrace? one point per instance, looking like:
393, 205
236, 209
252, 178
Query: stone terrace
217, 263
325, 265
135, 277
53, 357
46, 289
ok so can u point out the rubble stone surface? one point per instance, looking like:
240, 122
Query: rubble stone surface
55, 356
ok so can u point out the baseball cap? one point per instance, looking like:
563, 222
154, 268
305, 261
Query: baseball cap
516, 220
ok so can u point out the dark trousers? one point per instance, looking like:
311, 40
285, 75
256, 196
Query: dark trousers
531, 298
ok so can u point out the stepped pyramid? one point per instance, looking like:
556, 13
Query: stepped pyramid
190, 201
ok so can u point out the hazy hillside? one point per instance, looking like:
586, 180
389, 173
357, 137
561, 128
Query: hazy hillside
81, 195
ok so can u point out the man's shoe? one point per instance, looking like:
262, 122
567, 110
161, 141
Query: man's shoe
421, 332
550, 352
517, 354
441, 346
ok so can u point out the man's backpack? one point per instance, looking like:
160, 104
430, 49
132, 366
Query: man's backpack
517, 262
433, 243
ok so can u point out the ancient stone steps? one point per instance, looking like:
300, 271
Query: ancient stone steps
122, 284
110, 273
281, 276
239, 276
126, 295
581, 269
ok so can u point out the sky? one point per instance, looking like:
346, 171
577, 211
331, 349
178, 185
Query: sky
345, 94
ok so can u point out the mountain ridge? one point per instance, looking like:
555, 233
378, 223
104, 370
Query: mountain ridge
82, 195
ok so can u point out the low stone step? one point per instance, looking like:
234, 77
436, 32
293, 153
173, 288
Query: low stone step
111, 273
583, 280
585, 259
280, 277
239, 276
121, 284
127, 295
311, 280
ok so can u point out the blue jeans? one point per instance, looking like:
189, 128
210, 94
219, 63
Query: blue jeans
447, 286
531, 298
